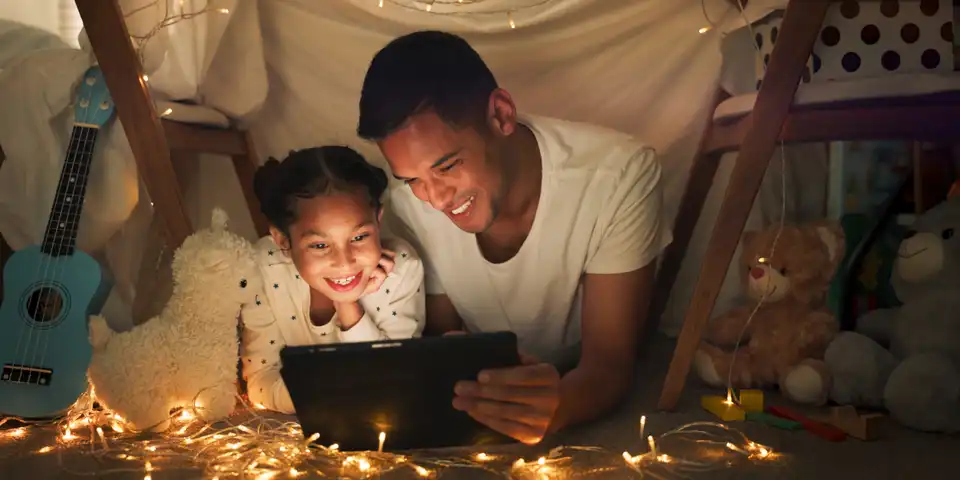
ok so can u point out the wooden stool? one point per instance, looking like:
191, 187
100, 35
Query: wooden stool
156, 142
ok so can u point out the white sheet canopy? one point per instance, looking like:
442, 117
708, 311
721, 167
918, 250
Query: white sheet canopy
291, 70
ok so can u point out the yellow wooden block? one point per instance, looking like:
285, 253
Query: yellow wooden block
751, 400
719, 406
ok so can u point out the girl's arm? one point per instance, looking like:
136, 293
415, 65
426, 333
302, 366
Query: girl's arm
401, 314
260, 346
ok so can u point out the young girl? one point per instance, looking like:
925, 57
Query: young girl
328, 276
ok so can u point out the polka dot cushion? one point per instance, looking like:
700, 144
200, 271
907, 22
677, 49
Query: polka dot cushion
871, 38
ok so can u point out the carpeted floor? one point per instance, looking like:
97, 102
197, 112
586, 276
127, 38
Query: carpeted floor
901, 454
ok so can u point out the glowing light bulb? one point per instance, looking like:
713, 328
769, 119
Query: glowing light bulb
510, 20
381, 4
166, 112
703, 30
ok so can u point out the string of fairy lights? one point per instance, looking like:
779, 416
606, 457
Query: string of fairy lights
457, 8
254, 444
257, 446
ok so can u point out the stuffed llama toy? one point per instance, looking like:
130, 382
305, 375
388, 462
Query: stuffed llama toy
784, 342
188, 353
907, 359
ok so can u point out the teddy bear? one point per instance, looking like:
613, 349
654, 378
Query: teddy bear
187, 355
907, 358
783, 344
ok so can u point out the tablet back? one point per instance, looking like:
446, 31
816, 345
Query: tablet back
350, 392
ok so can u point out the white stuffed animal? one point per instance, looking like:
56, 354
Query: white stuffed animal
189, 352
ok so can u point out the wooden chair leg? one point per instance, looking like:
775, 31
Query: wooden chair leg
107, 32
801, 24
246, 165
154, 278
702, 172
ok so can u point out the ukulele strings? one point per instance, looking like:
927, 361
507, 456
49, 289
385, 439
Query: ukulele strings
45, 289
70, 218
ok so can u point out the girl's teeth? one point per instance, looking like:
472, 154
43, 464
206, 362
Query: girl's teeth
343, 281
463, 208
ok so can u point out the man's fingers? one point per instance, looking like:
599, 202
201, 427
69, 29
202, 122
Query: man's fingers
514, 394
528, 359
519, 431
541, 374
525, 414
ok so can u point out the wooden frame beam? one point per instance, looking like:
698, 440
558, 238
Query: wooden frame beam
107, 32
922, 118
183, 137
798, 31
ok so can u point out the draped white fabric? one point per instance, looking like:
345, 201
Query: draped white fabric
291, 70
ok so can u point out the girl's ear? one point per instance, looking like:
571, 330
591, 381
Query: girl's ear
380, 214
279, 238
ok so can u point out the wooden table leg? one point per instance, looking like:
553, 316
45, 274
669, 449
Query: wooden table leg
800, 27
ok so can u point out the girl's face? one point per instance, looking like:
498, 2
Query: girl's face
335, 244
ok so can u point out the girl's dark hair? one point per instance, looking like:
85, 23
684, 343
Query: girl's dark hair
312, 172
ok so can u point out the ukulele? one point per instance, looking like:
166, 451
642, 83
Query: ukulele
49, 290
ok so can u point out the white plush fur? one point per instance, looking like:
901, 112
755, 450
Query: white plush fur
189, 351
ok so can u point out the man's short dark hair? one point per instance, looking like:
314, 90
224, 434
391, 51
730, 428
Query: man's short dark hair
422, 71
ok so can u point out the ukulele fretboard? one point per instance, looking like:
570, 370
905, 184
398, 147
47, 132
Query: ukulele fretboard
60, 237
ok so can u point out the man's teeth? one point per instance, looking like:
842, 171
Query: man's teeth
344, 280
463, 208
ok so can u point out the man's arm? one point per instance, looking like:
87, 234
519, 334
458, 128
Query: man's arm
613, 315
442, 316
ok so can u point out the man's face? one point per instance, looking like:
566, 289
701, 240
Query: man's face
456, 170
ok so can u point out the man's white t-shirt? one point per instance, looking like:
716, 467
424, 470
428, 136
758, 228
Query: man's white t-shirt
599, 213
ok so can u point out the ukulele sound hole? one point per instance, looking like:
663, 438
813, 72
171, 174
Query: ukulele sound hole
44, 305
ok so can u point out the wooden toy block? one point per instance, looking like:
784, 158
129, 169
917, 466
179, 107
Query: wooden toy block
823, 430
751, 400
864, 427
722, 408
773, 421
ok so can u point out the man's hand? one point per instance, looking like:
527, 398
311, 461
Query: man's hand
384, 268
518, 402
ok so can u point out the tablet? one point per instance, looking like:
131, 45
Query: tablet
350, 392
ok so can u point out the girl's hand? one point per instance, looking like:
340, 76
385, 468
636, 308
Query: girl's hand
384, 268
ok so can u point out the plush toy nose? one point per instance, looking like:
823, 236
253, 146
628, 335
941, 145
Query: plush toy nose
756, 273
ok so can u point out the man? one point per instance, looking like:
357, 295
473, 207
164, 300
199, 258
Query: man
547, 228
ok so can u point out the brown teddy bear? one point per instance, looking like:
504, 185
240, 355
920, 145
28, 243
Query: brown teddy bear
785, 341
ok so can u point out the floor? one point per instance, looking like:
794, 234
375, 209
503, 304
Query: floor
900, 454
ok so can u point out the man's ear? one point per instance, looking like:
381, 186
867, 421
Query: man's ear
501, 113
279, 238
